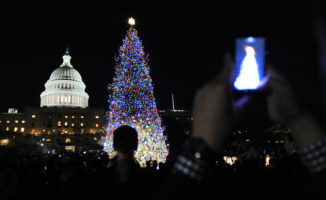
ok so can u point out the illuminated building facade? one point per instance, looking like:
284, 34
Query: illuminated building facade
59, 120
65, 88
63, 107
13, 121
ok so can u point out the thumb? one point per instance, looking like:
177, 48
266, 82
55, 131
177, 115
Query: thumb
265, 83
225, 76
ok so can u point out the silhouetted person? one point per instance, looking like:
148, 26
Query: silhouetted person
125, 143
214, 115
125, 177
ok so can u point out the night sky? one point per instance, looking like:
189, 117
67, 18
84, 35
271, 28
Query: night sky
185, 42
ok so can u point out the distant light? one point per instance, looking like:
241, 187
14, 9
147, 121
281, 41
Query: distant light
4, 142
12, 110
84, 152
197, 155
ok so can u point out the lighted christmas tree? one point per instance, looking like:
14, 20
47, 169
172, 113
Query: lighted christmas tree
132, 102
249, 76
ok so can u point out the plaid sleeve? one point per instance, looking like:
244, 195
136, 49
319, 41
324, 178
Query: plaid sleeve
196, 161
314, 156
190, 168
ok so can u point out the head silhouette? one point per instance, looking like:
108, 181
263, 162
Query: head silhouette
125, 140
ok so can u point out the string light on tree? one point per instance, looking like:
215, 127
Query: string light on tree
132, 102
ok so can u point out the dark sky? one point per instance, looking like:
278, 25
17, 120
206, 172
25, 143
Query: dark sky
185, 43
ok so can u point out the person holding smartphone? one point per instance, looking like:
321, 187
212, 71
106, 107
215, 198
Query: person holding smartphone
214, 115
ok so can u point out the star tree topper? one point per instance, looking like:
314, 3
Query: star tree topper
131, 21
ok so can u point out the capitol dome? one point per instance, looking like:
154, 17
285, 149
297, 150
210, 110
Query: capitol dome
65, 88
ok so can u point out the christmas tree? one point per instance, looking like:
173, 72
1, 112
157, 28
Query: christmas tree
132, 102
249, 76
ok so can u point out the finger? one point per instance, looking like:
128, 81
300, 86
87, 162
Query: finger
263, 85
270, 83
272, 80
225, 75
227, 68
273, 72
197, 97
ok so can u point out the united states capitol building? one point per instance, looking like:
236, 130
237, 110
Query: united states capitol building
63, 108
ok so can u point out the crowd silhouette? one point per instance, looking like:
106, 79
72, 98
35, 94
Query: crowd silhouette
195, 167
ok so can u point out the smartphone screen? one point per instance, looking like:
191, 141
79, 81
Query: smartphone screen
249, 66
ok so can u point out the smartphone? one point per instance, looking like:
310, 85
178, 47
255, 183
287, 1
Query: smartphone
249, 65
